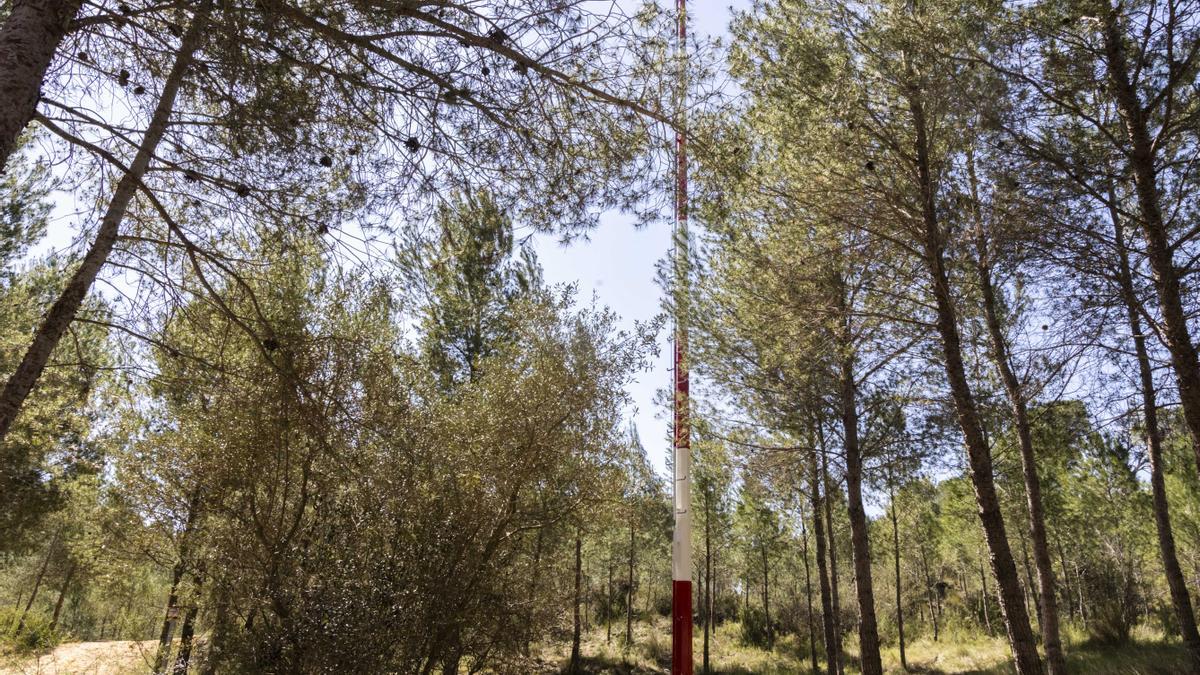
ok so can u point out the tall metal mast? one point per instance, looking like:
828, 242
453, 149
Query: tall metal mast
681, 546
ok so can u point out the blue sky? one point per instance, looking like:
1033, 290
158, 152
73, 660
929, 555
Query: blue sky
618, 265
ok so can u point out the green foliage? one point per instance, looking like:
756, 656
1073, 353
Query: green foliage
54, 440
34, 637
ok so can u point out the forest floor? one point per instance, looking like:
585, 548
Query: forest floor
652, 651
1146, 655
120, 657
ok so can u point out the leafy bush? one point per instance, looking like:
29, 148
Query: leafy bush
754, 628
34, 636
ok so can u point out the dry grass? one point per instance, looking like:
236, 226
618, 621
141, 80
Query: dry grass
85, 658
1148, 654
650, 654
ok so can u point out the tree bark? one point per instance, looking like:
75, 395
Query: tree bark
629, 590
1180, 597
835, 595
1016, 618
708, 604
929, 592
171, 615
766, 568
812, 636
1019, 407
896, 564
578, 626
29, 38
186, 639
822, 571
62, 593
1029, 584
608, 601
1066, 580
168, 626
871, 662
64, 309
533, 587
983, 594
37, 583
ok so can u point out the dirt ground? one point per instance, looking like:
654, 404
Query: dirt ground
87, 658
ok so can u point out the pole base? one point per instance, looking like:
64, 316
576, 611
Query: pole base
681, 627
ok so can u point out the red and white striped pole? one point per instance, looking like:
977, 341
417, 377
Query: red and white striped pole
681, 545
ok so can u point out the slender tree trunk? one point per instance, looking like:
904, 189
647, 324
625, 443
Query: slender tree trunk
62, 313
823, 572
1018, 406
766, 593
37, 582
578, 626
629, 590
1030, 587
834, 593
29, 38
172, 612
1141, 164
983, 595
1180, 597
1066, 579
871, 662
896, 565
708, 569
169, 619
608, 602
62, 593
929, 592
812, 636
1016, 618
533, 586
188, 632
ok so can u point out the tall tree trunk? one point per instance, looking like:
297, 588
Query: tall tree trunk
186, 640
929, 592
1066, 580
533, 587
608, 602
766, 593
1016, 618
871, 662
822, 571
1083, 613
1030, 587
169, 618
708, 569
896, 565
1019, 408
62, 593
578, 626
37, 582
629, 590
812, 636
171, 615
1180, 597
834, 593
29, 38
1140, 156
983, 594
63, 311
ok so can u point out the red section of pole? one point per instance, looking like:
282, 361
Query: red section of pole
681, 587
681, 628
